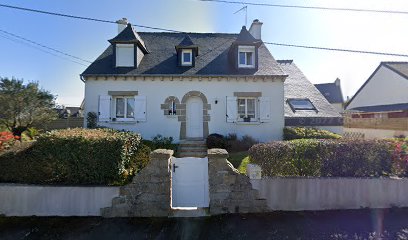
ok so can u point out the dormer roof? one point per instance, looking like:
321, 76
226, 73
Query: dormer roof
128, 36
244, 37
186, 43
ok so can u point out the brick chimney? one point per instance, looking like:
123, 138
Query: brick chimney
122, 23
256, 29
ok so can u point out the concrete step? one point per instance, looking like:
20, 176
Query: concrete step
189, 212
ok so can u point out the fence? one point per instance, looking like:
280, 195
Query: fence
62, 123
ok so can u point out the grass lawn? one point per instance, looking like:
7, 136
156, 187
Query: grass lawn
239, 160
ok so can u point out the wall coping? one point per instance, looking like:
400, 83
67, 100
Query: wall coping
217, 153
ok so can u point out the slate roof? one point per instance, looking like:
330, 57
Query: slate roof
187, 42
298, 86
331, 92
162, 58
383, 108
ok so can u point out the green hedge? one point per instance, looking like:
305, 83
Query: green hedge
327, 158
290, 133
76, 156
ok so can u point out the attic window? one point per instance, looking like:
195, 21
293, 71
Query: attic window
187, 57
125, 55
301, 104
246, 56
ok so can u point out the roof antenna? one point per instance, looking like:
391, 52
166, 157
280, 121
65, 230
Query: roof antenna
246, 13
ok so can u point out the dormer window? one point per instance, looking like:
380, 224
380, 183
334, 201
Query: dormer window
246, 56
186, 57
125, 55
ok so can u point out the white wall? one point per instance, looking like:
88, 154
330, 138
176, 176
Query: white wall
299, 194
385, 87
33, 200
376, 133
157, 91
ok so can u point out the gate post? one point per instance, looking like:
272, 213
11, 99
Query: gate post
148, 195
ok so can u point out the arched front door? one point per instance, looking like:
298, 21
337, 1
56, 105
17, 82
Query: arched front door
194, 118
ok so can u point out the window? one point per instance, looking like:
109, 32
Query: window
125, 55
124, 108
247, 109
172, 108
246, 56
187, 57
301, 104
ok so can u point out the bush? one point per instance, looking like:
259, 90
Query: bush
216, 140
160, 142
76, 156
6, 140
324, 158
91, 120
290, 133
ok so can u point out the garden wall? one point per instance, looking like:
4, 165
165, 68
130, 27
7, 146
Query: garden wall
298, 194
30, 200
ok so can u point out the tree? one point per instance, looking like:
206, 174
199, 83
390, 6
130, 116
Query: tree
22, 106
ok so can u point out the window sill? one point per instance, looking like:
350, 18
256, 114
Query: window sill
248, 123
246, 66
172, 116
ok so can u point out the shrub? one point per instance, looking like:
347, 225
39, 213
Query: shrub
399, 149
326, 158
216, 140
91, 120
6, 140
76, 156
32, 133
160, 142
290, 133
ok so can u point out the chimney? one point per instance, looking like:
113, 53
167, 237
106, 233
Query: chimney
122, 23
337, 82
256, 29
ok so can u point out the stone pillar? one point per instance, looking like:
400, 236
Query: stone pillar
148, 195
230, 191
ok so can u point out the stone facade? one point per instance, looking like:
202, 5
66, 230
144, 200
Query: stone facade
230, 191
149, 193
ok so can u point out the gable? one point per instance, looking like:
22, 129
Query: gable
384, 87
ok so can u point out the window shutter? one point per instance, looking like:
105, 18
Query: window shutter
265, 109
140, 108
232, 109
104, 108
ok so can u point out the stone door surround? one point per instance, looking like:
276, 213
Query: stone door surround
182, 107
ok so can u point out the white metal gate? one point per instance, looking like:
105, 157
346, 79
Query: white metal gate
189, 182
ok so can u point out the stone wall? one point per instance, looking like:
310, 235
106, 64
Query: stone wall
149, 193
230, 191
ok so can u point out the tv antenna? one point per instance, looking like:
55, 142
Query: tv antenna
246, 13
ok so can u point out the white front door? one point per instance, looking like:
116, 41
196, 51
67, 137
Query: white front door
194, 118
189, 182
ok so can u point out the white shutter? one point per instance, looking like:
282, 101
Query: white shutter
140, 108
232, 109
104, 108
265, 109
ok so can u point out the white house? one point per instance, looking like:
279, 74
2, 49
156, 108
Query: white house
188, 85
380, 107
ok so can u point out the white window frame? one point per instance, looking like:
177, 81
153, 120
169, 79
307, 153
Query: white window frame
246, 49
185, 63
255, 118
125, 118
128, 62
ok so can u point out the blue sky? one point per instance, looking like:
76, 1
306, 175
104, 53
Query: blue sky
86, 39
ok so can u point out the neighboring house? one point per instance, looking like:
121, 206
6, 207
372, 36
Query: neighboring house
187, 85
332, 92
380, 106
69, 112
305, 105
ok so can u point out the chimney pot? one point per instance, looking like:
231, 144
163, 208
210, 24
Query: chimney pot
256, 29
122, 23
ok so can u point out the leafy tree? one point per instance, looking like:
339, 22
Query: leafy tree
22, 106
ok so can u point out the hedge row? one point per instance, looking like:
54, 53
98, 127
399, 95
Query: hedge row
290, 133
330, 158
76, 156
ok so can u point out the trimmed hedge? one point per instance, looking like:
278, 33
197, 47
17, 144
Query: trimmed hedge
326, 158
231, 142
290, 133
76, 156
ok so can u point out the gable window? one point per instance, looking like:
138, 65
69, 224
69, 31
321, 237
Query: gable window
125, 55
187, 57
124, 108
301, 104
246, 56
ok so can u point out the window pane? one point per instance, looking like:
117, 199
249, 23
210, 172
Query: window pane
187, 57
120, 107
251, 108
249, 58
130, 113
242, 57
241, 108
300, 104
173, 107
